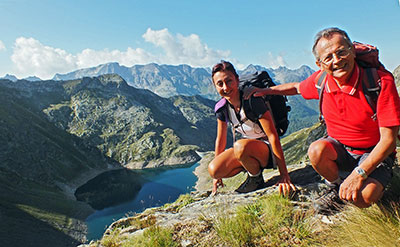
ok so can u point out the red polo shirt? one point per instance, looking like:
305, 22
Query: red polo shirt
346, 110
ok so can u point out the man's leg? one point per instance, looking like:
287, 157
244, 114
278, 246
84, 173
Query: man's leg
323, 155
323, 158
373, 187
371, 192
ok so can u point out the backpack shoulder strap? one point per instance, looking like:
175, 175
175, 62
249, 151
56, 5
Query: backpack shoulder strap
320, 85
221, 105
371, 87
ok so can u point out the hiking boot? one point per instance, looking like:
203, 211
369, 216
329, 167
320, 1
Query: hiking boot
251, 184
329, 203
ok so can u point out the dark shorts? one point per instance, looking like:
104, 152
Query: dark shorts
271, 159
347, 161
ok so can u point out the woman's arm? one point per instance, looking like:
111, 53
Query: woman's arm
220, 141
266, 121
220, 144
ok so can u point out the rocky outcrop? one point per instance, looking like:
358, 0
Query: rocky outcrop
202, 205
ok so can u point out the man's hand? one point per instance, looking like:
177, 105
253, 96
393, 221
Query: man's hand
350, 188
249, 91
254, 91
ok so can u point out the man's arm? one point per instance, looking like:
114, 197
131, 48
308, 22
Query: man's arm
384, 148
292, 88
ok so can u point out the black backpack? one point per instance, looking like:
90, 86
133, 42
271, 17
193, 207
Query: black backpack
276, 103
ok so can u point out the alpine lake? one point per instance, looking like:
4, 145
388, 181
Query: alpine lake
118, 193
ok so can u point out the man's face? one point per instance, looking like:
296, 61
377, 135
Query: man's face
336, 57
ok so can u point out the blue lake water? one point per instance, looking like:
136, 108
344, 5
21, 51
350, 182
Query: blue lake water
160, 186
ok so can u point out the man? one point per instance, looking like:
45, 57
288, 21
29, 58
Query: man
356, 142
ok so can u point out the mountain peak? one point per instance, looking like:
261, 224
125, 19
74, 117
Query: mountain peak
32, 78
113, 79
10, 77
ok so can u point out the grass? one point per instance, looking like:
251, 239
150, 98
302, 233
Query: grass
153, 237
378, 225
374, 226
272, 221
182, 201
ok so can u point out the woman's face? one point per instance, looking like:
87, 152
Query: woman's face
226, 84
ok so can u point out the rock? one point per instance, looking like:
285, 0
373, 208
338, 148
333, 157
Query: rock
204, 204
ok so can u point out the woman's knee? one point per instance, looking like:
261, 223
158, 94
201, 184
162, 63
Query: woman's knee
212, 168
239, 148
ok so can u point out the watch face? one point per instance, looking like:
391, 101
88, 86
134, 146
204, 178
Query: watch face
361, 172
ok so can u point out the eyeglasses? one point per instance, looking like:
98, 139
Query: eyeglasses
341, 53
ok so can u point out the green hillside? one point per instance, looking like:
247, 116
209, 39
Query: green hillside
57, 135
39, 164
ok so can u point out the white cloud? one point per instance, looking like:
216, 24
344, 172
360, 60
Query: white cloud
184, 49
2, 46
33, 58
30, 57
275, 61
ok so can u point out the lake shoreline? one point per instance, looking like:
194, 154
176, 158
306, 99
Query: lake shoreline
204, 180
162, 187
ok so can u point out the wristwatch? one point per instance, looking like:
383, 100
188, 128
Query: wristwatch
361, 172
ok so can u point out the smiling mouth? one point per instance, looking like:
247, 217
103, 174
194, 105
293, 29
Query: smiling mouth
339, 68
226, 93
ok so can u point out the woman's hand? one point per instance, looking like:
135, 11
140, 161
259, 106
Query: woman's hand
216, 184
285, 186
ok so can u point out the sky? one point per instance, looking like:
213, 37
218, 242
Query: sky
44, 37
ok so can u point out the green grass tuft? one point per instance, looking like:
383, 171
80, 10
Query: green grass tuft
272, 221
373, 226
152, 237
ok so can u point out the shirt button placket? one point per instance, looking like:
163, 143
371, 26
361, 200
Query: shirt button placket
341, 105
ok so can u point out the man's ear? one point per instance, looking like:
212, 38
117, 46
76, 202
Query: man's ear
318, 63
353, 50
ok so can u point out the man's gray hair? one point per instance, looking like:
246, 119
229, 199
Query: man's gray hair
327, 33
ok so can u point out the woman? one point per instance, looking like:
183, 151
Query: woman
260, 146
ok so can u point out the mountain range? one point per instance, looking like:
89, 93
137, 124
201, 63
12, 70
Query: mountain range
57, 134
169, 80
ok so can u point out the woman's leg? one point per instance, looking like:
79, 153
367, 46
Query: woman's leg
252, 154
225, 165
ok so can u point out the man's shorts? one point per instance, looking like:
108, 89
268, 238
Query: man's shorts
347, 161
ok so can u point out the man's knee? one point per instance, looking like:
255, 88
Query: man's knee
315, 151
320, 150
370, 194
